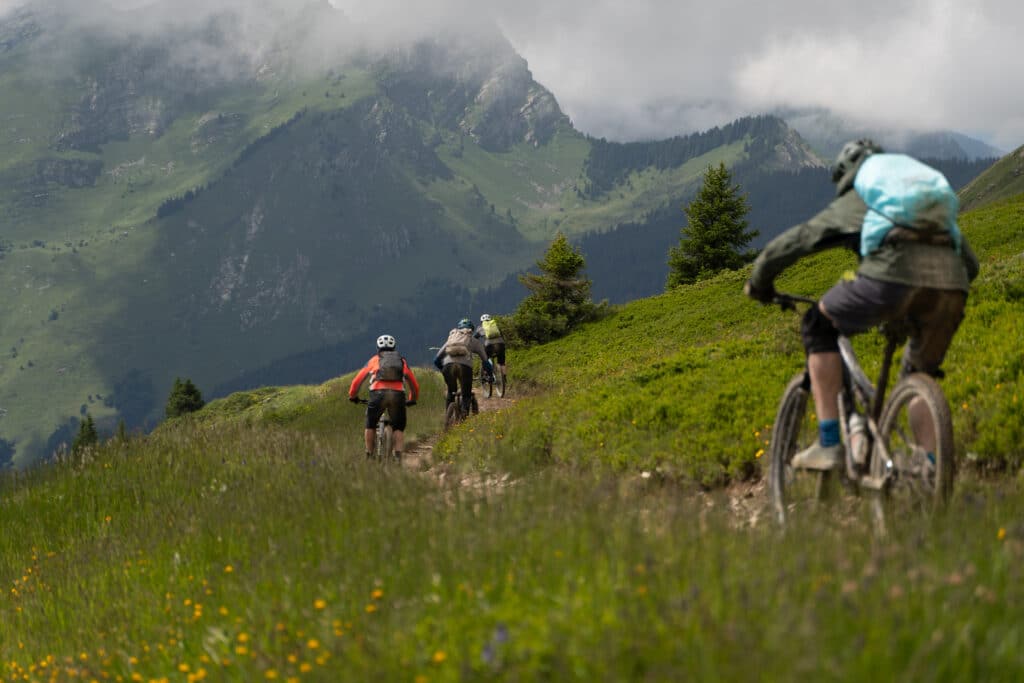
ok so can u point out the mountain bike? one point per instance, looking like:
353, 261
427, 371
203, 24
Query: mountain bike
897, 466
454, 413
495, 382
384, 440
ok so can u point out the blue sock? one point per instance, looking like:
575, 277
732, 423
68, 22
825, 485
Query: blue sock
828, 432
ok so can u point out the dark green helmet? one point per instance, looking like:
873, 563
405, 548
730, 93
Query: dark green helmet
851, 154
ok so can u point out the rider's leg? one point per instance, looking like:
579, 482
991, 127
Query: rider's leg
826, 370
466, 381
374, 409
825, 366
396, 409
937, 315
450, 374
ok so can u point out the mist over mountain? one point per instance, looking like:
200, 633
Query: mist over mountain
826, 132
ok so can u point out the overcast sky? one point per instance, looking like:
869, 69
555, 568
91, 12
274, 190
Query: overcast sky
633, 69
650, 68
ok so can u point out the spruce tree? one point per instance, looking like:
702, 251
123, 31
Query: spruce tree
716, 236
87, 435
184, 398
559, 296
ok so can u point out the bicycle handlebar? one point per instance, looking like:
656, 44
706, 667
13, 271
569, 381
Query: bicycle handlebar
788, 302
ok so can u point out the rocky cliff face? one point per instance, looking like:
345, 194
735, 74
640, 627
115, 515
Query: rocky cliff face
483, 90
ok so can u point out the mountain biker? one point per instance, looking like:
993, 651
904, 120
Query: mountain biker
920, 270
494, 343
455, 361
388, 372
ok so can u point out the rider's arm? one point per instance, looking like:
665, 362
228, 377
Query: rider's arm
837, 225
437, 359
357, 381
481, 350
414, 386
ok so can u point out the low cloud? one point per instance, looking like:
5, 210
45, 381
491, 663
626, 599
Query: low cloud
619, 68
654, 68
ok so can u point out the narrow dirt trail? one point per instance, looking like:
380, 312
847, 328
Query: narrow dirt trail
419, 456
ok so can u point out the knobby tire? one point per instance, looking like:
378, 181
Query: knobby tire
790, 434
917, 481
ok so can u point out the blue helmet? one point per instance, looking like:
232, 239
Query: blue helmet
465, 324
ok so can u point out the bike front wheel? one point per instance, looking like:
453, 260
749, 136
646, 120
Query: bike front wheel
917, 430
795, 429
488, 386
499, 384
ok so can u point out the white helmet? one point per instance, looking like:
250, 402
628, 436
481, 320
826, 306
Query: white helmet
385, 342
485, 318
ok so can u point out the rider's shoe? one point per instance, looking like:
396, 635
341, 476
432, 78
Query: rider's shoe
818, 457
397, 455
369, 455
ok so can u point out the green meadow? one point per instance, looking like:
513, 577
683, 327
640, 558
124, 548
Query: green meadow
609, 524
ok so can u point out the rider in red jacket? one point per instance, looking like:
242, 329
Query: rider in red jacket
386, 394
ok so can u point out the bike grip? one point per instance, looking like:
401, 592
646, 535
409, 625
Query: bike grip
410, 403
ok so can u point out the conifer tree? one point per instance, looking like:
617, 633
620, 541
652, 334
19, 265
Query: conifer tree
559, 296
122, 431
184, 398
716, 234
87, 435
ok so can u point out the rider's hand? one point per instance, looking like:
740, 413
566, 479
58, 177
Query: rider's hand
410, 403
354, 399
764, 295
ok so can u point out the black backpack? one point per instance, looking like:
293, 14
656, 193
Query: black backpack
391, 367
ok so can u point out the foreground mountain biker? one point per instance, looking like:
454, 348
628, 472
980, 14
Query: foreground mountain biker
388, 372
914, 264
455, 361
494, 343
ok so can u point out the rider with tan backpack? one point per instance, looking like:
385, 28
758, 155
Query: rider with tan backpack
455, 361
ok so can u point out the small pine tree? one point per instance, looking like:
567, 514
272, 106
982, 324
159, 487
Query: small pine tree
122, 431
559, 296
184, 398
87, 435
716, 233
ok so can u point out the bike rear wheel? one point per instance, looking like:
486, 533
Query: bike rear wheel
385, 442
920, 478
453, 414
795, 429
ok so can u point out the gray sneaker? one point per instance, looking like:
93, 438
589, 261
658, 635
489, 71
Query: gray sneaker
818, 457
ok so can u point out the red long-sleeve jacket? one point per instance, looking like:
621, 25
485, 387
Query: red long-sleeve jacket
398, 385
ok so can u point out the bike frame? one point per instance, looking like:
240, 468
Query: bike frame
858, 387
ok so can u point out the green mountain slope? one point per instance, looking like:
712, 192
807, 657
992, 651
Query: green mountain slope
1004, 179
687, 383
250, 218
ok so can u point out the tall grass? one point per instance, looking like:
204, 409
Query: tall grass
268, 553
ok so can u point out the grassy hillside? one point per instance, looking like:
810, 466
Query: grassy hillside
253, 542
687, 383
1004, 180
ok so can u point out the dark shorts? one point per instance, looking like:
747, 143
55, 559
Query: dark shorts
458, 377
386, 399
859, 305
496, 351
